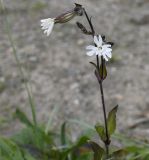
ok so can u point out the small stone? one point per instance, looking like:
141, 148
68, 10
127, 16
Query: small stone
76, 102
2, 79
80, 42
74, 86
33, 59
118, 97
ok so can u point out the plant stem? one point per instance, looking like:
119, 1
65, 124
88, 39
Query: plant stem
29, 93
105, 119
107, 142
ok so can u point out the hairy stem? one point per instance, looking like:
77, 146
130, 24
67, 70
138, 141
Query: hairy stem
107, 142
104, 110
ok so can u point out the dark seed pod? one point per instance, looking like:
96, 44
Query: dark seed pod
83, 29
78, 9
67, 16
111, 43
103, 37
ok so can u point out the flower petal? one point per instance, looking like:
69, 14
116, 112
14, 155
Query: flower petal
108, 49
47, 25
107, 45
90, 47
43, 20
98, 52
90, 53
98, 40
105, 57
109, 54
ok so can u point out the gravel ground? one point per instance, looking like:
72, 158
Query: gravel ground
59, 71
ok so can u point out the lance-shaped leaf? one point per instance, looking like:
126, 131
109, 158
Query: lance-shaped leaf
96, 72
112, 120
103, 71
23, 118
120, 154
63, 134
98, 151
101, 131
94, 64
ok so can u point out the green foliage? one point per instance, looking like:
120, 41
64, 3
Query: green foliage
138, 153
23, 118
63, 134
11, 151
98, 151
101, 131
44, 146
137, 150
103, 71
100, 73
112, 120
58, 146
119, 154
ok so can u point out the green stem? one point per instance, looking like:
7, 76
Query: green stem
19, 65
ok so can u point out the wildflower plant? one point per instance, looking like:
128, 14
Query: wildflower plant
102, 50
42, 142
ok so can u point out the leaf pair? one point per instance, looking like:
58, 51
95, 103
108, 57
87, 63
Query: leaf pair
111, 124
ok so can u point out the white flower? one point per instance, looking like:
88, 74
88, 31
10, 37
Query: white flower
100, 49
47, 25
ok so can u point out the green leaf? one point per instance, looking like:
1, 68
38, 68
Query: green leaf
101, 131
133, 149
93, 64
112, 120
51, 118
63, 133
98, 151
23, 118
9, 150
103, 71
119, 154
82, 141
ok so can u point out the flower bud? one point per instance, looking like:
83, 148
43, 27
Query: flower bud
65, 17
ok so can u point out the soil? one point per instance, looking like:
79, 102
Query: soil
58, 69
